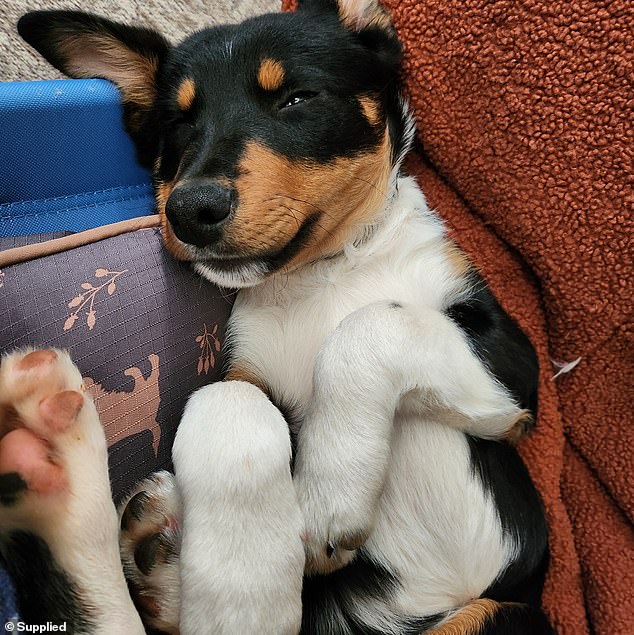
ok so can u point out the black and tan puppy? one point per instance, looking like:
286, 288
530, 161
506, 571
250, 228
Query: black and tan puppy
276, 148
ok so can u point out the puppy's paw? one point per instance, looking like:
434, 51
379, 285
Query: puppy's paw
52, 446
56, 507
150, 540
336, 524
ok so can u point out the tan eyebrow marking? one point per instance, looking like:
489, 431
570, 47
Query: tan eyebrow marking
186, 93
271, 74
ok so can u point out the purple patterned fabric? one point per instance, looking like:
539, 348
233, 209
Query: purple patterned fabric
144, 329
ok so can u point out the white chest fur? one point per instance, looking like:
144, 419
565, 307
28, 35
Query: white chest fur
279, 326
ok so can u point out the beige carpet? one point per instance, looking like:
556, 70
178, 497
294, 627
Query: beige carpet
174, 18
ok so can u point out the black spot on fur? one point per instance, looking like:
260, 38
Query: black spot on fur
134, 510
11, 486
44, 591
499, 342
329, 601
395, 305
146, 551
154, 549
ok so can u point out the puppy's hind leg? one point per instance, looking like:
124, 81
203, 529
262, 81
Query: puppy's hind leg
382, 359
242, 558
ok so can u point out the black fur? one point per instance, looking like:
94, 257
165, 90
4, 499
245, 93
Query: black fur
319, 55
517, 619
134, 510
499, 342
333, 65
502, 472
44, 591
508, 354
327, 601
11, 486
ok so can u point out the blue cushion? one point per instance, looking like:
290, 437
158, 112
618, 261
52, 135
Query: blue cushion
66, 162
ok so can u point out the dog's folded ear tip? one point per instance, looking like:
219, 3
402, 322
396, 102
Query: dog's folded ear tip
26, 22
36, 24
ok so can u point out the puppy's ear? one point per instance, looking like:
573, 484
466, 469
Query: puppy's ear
357, 15
83, 45
363, 14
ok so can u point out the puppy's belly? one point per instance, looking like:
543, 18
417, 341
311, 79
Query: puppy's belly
437, 527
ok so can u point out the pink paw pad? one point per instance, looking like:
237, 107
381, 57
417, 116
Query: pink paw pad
59, 411
35, 360
24, 453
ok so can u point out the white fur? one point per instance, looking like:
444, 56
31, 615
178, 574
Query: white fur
247, 275
379, 390
241, 557
381, 359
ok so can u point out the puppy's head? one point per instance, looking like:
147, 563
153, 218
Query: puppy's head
272, 142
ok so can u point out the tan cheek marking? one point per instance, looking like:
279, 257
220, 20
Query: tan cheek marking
271, 75
278, 195
186, 94
370, 110
242, 372
469, 620
177, 248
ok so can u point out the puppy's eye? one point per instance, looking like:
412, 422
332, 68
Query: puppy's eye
184, 119
297, 98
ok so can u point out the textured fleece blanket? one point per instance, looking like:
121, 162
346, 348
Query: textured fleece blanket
524, 114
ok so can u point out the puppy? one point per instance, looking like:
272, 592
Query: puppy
276, 148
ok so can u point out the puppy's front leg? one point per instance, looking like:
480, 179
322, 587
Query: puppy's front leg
382, 359
242, 559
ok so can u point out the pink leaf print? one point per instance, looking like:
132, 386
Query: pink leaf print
70, 321
87, 299
207, 342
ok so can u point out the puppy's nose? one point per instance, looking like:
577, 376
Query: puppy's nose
195, 211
